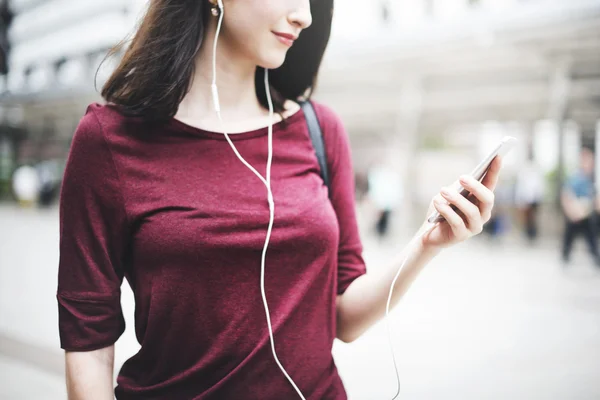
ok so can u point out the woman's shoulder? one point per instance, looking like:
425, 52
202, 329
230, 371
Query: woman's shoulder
90, 154
104, 130
91, 130
108, 115
106, 120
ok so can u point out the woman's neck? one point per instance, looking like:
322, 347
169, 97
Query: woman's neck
240, 109
235, 83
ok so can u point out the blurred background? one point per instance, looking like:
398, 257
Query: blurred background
425, 88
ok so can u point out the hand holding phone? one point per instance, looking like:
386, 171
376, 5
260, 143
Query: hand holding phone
507, 144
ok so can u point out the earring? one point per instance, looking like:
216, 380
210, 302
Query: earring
214, 10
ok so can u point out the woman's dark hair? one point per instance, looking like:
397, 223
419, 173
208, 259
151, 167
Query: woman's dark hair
156, 71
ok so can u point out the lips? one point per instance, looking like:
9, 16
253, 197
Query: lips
286, 38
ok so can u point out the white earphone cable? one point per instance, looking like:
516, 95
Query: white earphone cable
426, 229
272, 212
266, 181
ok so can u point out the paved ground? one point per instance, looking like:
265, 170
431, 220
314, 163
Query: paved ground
482, 322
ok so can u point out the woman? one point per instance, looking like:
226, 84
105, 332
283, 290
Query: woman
154, 192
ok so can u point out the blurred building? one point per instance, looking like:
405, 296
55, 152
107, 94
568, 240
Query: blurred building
6, 17
56, 48
7, 143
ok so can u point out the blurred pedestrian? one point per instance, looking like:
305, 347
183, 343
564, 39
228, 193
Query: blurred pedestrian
385, 193
578, 199
26, 185
529, 194
49, 182
499, 223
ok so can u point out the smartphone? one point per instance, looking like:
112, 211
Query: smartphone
506, 144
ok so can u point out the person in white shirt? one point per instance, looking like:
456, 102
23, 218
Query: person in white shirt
385, 191
529, 194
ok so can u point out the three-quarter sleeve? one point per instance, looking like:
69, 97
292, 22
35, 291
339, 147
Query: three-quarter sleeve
351, 264
93, 242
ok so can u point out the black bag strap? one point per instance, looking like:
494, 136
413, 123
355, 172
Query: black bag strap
316, 136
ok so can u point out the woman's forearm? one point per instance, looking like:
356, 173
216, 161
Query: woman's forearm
90, 374
364, 302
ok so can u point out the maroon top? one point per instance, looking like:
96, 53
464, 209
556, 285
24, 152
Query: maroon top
171, 208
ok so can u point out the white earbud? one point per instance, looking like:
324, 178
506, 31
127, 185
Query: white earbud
265, 180
213, 87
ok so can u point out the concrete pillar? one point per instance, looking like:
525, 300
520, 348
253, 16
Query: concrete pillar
546, 144
560, 85
74, 72
41, 78
406, 143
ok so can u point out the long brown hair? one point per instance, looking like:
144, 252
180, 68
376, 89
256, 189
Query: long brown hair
156, 70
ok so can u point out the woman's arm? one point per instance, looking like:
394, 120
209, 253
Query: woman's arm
90, 374
94, 237
364, 301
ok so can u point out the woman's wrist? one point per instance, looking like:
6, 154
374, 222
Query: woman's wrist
428, 248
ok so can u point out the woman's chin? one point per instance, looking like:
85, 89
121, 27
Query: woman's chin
273, 61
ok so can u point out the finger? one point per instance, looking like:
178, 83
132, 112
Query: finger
452, 218
491, 178
471, 212
480, 192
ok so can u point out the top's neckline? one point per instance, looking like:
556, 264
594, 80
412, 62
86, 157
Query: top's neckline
262, 131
